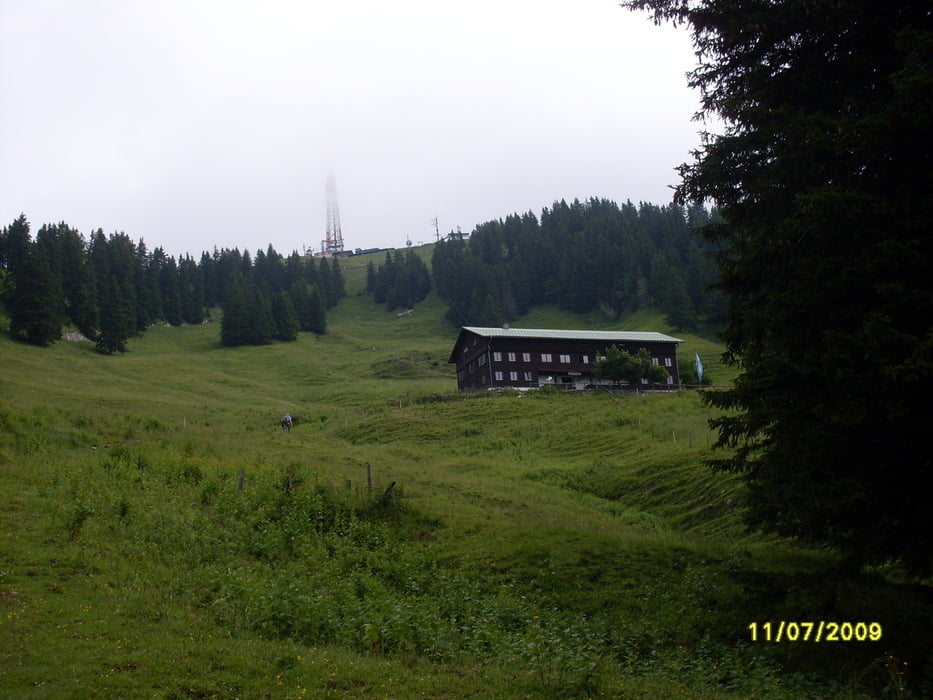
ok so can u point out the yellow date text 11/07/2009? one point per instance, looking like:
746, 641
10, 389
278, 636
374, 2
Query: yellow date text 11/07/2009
820, 631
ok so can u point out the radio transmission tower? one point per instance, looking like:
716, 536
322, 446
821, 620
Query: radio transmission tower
333, 239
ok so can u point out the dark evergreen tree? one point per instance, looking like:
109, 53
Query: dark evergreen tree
326, 283
275, 271
294, 270
385, 277
70, 276
417, 279
580, 256
823, 177
114, 320
98, 256
228, 264
675, 302
392, 297
312, 273
79, 285
144, 301
157, 260
370, 278
401, 282
340, 290
111, 288
260, 325
259, 272
37, 304
210, 280
317, 312
191, 291
16, 241
300, 295
284, 317
253, 314
115, 266
169, 282
234, 321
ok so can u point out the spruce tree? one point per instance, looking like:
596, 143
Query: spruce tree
234, 321
16, 240
294, 270
317, 312
340, 290
36, 308
144, 302
114, 321
171, 294
822, 176
260, 326
300, 295
284, 318
370, 277
152, 281
191, 291
327, 283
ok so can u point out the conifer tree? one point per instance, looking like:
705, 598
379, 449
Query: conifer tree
284, 317
144, 301
275, 271
233, 324
114, 320
294, 270
209, 269
16, 240
191, 291
152, 280
327, 284
36, 308
822, 176
370, 277
340, 290
317, 312
115, 267
260, 326
678, 305
170, 292
300, 295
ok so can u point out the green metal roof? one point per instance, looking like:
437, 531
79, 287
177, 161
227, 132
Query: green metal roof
546, 333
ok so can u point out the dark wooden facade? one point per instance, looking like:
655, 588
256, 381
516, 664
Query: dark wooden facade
524, 358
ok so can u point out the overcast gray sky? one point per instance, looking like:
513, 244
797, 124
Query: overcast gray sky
200, 123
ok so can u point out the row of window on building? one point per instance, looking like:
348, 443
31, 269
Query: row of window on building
513, 376
529, 377
547, 357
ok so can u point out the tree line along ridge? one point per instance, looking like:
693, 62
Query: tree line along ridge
110, 288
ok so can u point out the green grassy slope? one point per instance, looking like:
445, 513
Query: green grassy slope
163, 538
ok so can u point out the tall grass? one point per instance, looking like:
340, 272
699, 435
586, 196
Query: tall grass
162, 537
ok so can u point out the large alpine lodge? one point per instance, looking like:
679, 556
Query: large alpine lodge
525, 358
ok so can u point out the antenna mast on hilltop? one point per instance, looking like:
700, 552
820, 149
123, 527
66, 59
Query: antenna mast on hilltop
333, 238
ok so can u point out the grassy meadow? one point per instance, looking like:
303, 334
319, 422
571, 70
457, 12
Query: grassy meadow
161, 536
